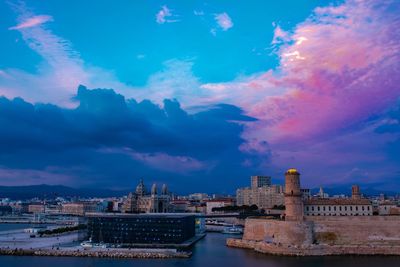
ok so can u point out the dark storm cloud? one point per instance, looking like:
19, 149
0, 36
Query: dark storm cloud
36, 136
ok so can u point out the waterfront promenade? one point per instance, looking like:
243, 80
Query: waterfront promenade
16, 242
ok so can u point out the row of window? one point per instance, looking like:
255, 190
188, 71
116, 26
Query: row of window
140, 236
160, 229
337, 208
139, 220
335, 214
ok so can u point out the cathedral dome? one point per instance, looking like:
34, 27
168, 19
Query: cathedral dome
164, 189
154, 189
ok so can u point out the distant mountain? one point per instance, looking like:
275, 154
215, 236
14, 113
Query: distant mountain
53, 191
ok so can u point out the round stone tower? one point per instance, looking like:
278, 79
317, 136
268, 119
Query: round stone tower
293, 199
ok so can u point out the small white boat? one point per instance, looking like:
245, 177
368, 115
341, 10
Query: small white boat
90, 244
100, 245
87, 244
233, 230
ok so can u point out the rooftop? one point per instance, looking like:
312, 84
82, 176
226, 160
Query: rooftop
226, 200
140, 215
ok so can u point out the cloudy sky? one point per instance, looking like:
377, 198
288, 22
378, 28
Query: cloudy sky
199, 94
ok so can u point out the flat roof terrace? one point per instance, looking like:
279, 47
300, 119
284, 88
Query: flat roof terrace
141, 215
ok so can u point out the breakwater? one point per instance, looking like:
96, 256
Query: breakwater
106, 253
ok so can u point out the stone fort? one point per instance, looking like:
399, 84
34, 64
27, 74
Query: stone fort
337, 228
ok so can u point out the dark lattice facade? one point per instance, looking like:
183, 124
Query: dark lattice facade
128, 229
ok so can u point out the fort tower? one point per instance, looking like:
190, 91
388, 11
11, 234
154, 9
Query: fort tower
293, 199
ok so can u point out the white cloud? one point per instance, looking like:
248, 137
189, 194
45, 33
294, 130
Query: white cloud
224, 21
198, 12
62, 70
213, 31
165, 15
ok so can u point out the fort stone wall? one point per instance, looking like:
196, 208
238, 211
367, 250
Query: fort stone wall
279, 232
356, 230
324, 235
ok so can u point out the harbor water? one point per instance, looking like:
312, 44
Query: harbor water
208, 252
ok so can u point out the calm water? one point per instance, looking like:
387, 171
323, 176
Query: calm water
209, 252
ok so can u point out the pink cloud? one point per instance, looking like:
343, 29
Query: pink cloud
280, 35
162, 161
32, 22
174, 164
343, 68
49, 175
337, 68
224, 21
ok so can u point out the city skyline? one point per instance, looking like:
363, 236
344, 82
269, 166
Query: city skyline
200, 96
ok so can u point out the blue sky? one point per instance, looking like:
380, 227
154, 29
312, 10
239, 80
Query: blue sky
124, 37
199, 92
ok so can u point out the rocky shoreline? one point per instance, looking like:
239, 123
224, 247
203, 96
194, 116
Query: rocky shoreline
120, 253
315, 250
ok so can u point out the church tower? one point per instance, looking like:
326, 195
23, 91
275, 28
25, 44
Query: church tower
293, 200
355, 192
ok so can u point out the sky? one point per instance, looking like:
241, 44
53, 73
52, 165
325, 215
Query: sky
199, 94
